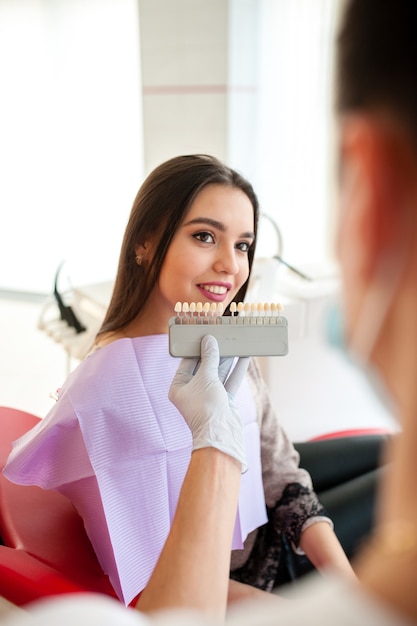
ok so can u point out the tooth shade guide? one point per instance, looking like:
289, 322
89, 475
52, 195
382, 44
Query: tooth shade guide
250, 329
253, 313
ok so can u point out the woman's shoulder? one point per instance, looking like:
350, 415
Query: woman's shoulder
104, 340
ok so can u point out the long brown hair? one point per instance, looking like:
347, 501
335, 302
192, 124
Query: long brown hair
158, 210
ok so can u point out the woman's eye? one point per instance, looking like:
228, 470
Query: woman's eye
243, 246
204, 236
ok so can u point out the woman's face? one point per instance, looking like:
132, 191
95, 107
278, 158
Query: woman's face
207, 260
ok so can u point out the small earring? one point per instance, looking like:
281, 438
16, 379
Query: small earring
139, 259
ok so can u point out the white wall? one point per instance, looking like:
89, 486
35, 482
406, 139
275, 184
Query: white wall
295, 142
71, 137
184, 54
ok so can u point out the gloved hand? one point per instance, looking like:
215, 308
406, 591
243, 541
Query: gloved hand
204, 397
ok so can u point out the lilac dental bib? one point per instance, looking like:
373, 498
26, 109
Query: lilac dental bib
117, 447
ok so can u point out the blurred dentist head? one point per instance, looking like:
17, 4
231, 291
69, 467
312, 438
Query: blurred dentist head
376, 101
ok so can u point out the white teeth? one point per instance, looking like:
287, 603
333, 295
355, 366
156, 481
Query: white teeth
214, 289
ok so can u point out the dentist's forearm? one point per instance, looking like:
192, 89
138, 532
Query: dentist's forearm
193, 569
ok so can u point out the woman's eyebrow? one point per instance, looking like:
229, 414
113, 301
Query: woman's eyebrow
208, 221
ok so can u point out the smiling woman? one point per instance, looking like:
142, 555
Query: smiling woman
159, 211
191, 236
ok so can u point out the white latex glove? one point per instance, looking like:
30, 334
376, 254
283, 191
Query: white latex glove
205, 399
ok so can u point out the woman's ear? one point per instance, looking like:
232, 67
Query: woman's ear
142, 250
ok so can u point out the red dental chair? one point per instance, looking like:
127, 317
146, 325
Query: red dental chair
44, 550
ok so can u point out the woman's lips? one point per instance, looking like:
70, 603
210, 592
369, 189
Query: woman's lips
216, 293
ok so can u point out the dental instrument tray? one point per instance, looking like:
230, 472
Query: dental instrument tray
250, 330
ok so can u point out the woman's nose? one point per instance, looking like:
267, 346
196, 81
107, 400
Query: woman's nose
226, 261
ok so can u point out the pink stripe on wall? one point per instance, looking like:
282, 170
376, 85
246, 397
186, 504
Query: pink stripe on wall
162, 90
